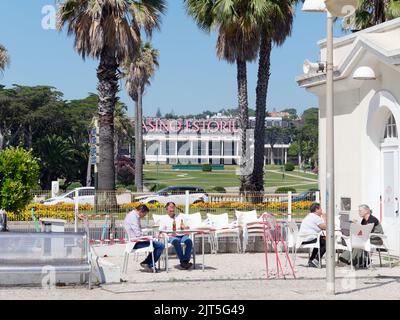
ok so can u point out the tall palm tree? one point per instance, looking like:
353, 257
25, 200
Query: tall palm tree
275, 27
238, 42
4, 58
373, 12
108, 30
137, 75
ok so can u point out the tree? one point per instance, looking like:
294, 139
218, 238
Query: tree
54, 153
4, 58
137, 77
273, 135
158, 113
31, 115
373, 12
292, 113
238, 42
19, 172
108, 30
275, 26
171, 115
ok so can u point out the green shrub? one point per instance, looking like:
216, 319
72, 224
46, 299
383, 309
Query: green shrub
121, 187
19, 174
207, 167
285, 190
289, 166
74, 185
219, 189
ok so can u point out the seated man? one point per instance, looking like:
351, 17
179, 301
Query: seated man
166, 224
358, 254
134, 230
311, 225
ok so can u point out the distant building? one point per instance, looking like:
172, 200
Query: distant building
279, 114
214, 140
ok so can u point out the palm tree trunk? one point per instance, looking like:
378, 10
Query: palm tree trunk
243, 119
264, 64
116, 152
139, 143
107, 90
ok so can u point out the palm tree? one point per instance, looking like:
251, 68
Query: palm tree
137, 75
238, 42
108, 30
4, 58
373, 12
275, 27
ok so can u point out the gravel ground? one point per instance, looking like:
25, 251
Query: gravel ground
228, 276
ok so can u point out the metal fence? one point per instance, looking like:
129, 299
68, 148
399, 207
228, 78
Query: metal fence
105, 211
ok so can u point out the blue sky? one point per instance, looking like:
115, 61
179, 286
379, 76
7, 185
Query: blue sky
190, 78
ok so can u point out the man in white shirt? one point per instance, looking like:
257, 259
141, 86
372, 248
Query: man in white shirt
177, 239
134, 230
312, 225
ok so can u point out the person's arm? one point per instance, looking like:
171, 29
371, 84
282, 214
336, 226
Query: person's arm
321, 223
133, 228
322, 226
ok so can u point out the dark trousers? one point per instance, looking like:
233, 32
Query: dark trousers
158, 249
322, 247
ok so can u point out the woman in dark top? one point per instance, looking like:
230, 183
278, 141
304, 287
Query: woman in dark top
357, 255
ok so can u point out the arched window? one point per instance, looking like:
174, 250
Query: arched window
390, 128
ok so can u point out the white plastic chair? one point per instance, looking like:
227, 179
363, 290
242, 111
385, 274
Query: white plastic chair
157, 218
359, 239
295, 241
377, 247
194, 222
222, 228
129, 249
251, 226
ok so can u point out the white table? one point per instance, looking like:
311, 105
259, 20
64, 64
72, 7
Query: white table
193, 232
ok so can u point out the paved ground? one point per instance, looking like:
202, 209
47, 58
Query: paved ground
229, 276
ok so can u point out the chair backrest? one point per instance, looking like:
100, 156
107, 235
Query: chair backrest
293, 231
157, 218
269, 219
359, 235
244, 217
193, 220
43, 248
218, 220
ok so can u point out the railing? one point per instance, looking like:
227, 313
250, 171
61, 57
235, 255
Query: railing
108, 209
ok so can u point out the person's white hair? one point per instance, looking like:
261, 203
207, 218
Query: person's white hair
365, 207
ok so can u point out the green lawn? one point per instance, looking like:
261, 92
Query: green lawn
227, 178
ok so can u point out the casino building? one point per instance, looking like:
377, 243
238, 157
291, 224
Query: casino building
215, 140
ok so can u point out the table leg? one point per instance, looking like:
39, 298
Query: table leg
194, 251
166, 254
202, 244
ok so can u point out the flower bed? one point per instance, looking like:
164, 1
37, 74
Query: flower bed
66, 211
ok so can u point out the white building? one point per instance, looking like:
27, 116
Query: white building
366, 113
198, 141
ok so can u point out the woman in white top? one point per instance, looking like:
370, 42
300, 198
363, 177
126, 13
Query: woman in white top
312, 225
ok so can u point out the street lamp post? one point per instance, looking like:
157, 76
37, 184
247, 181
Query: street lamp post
338, 8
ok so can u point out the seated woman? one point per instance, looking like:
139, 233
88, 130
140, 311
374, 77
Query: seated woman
357, 255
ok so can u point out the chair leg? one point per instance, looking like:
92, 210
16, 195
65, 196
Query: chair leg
319, 256
90, 280
152, 260
380, 259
